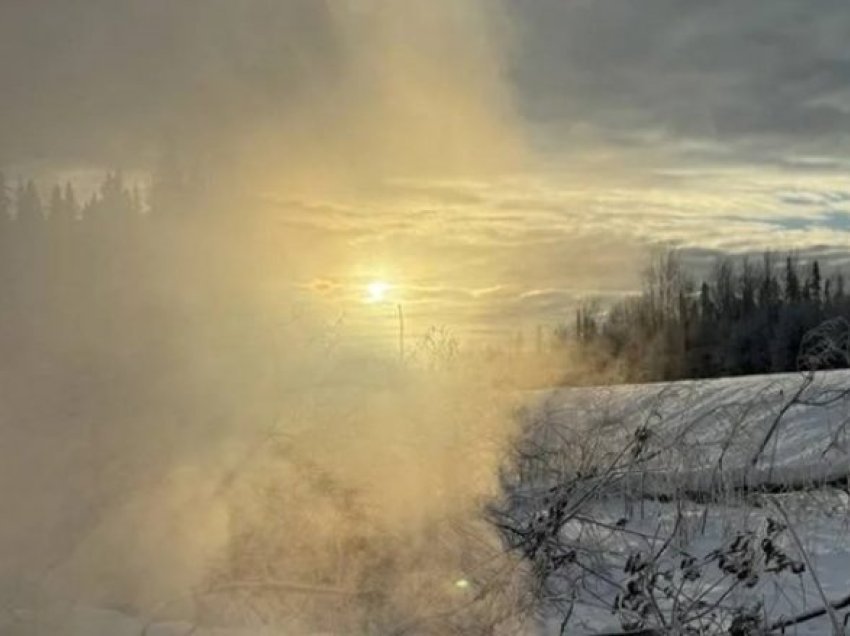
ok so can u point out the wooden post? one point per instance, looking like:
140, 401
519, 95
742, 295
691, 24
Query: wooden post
400, 333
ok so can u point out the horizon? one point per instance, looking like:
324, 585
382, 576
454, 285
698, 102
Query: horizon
424, 317
496, 162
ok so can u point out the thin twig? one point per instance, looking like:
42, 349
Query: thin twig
837, 630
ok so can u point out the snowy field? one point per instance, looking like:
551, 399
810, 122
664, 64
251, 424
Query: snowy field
688, 469
684, 469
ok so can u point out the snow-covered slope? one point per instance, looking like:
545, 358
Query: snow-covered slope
77, 620
703, 437
711, 451
718, 423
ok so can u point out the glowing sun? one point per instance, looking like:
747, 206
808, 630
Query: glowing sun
376, 291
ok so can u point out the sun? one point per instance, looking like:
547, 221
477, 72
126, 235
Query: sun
376, 291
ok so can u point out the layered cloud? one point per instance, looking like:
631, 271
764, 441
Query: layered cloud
495, 160
715, 81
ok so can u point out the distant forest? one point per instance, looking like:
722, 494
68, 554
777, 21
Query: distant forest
76, 271
746, 317
121, 283
113, 201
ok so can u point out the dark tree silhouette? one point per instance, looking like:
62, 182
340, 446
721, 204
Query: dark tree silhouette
5, 198
740, 321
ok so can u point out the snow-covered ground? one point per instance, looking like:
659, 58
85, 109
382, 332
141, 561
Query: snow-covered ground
77, 620
718, 455
704, 436
727, 417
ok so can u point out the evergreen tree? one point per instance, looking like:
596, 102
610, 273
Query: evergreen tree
5, 198
748, 288
69, 203
115, 198
739, 322
792, 281
814, 284
706, 306
30, 211
769, 292
56, 207
91, 210
724, 290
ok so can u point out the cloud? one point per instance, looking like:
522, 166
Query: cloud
281, 92
471, 151
766, 79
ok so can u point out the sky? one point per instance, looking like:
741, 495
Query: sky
493, 161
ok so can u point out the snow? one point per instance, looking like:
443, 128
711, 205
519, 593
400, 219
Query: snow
78, 620
705, 435
708, 414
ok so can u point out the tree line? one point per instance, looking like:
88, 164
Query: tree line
118, 271
748, 316
114, 199
25, 202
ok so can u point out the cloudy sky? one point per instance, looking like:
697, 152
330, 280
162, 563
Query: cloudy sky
492, 160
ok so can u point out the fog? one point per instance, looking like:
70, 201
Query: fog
278, 278
184, 415
283, 91
177, 420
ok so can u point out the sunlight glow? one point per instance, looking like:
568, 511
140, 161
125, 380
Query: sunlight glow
376, 291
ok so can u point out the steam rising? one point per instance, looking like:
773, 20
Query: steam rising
284, 90
174, 422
